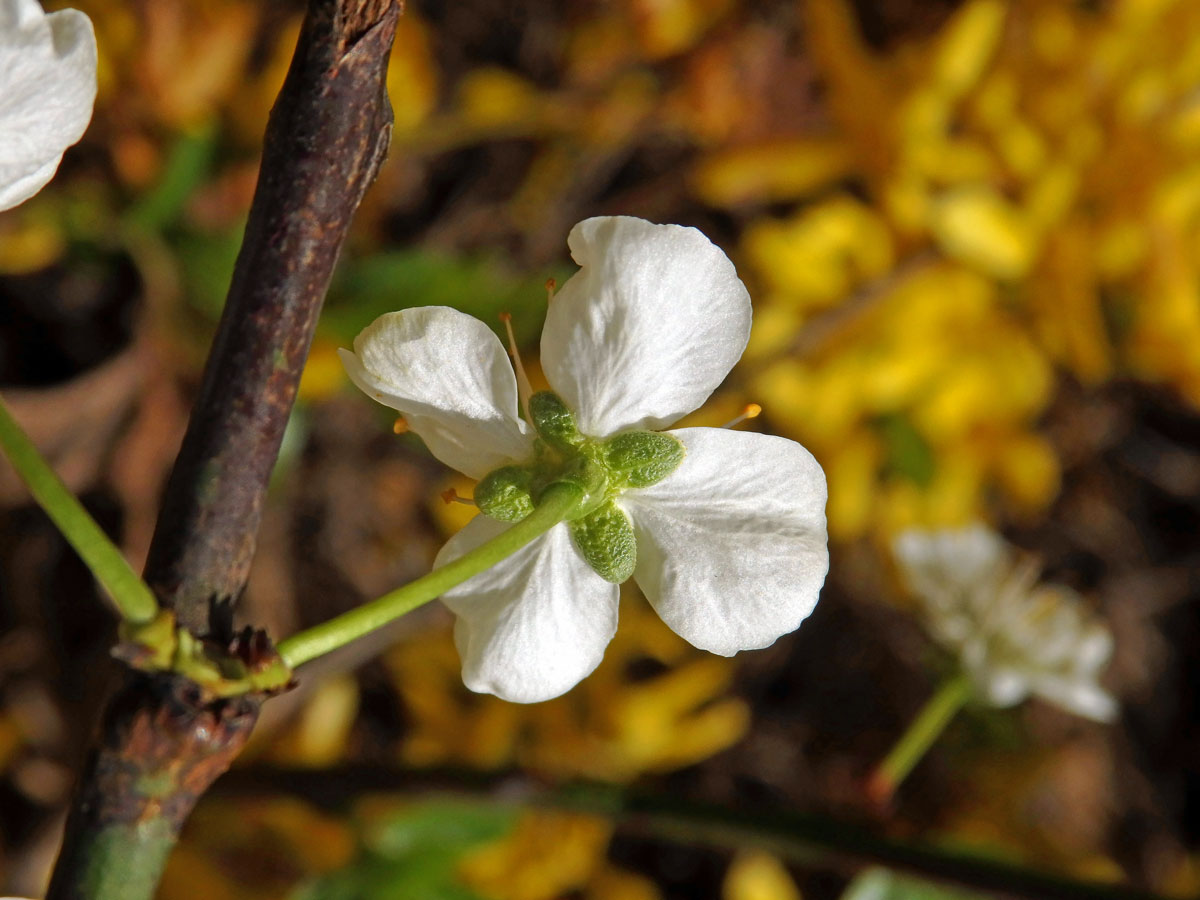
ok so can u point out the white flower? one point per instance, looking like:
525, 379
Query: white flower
724, 531
47, 88
1013, 637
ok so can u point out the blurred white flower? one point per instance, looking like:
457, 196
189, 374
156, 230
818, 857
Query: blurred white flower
724, 531
1013, 637
47, 89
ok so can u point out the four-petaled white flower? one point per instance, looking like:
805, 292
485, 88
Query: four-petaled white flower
1013, 636
724, 531
47, 88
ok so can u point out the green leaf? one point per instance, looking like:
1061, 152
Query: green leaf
415, 853
207, 262
883, 884
441, 827
908, 453
188, 166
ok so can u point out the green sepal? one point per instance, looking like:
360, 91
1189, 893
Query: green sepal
506, 494
554, 422
605, 540
642, 458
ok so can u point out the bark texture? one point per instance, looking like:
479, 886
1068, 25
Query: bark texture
326, 137
161, 748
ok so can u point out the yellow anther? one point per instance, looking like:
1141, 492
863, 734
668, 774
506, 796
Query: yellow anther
524, 389
751, 411
551, 284
400, 426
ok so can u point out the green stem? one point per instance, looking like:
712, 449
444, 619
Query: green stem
559, 501
133, 599
930, 722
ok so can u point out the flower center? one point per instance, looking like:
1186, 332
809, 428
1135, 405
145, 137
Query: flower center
602, 468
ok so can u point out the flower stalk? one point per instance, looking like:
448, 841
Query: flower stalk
926, 728
558, 503
133, 599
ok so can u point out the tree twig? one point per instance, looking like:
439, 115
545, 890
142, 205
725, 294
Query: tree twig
162, 742
327, 135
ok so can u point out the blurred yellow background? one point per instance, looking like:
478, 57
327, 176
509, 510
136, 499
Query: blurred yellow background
972, 235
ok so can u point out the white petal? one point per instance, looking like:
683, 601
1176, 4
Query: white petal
1084, 698
942, 565
647, 328
732, 547
533, 626
48, 74
20, 13
1095, 648
19, 183
1002, 687
449, 375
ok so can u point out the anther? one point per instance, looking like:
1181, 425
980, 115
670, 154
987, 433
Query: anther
524, 389
551, 284
400, 426
450, 495
751, 411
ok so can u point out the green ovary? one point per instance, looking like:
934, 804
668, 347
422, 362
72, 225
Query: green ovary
604, 469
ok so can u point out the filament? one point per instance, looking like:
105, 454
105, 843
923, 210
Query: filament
450, 495
524, 389
751, 411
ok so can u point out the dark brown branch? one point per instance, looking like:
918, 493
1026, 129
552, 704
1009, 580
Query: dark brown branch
161, 747
326, 137
162, 741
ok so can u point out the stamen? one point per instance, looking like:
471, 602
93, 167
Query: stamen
751, 411
400, 426
551, 284
524, 389
450, 495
